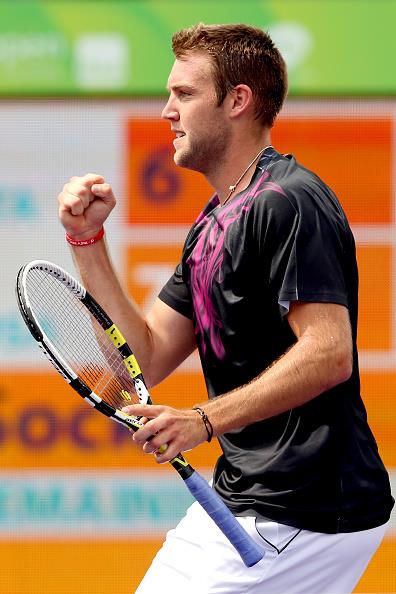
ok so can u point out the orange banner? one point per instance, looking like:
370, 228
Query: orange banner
147, 269
353, 155
118, 566
375, 297
159, 192
44, 423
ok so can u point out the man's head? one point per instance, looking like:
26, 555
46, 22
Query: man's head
239, 54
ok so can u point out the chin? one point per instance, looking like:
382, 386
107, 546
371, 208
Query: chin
184, 159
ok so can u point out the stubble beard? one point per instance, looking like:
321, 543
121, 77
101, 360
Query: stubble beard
204, 154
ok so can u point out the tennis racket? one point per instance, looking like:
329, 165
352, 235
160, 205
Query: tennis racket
91, 354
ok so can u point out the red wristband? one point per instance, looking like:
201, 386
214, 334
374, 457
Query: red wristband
83, 242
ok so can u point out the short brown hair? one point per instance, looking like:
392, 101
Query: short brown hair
240, 54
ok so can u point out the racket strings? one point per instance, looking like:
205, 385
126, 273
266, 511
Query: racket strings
80, 339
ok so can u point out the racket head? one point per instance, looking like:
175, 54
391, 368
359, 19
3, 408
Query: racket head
80, 340
91, 354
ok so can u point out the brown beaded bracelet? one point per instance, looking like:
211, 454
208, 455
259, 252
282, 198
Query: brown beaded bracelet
206, 422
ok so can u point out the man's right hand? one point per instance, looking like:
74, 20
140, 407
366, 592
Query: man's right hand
84, 205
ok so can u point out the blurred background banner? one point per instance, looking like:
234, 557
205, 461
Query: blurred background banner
123, 46
81, 509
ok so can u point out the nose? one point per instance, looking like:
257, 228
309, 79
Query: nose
170, 112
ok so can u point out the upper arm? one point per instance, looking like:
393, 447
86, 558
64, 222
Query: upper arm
328, 329
319, 318
173, 340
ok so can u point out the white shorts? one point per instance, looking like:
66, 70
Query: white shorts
197, 559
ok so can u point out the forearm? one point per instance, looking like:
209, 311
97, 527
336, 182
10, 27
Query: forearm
309, 368
99, 277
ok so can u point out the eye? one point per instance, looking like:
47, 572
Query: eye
182, 94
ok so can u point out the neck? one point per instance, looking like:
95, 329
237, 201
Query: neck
235, 173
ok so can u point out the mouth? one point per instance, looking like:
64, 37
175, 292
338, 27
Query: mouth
178, 135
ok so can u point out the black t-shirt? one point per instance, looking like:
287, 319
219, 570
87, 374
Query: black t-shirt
285, 238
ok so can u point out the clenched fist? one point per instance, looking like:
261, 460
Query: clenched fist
84, 205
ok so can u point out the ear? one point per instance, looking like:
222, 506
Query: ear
241, 100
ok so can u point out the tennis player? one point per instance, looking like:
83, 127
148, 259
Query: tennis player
267, 290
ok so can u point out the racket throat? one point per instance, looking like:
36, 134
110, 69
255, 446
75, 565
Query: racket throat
182, 467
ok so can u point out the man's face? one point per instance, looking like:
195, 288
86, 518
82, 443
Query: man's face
201, 126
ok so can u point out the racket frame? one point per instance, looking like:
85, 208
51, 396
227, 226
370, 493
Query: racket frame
249, 551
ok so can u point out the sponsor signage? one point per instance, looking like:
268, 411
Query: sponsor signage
124, 48
126, 504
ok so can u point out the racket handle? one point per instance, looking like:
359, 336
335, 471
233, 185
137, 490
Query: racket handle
223, 518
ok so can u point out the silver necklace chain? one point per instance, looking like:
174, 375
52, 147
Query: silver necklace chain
233, 187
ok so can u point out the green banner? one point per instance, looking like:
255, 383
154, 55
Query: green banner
122, 47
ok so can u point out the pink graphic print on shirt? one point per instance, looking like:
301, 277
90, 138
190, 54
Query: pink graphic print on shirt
206, 261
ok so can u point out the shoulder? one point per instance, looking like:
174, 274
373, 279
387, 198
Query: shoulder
285, 175
288, 188
271, 193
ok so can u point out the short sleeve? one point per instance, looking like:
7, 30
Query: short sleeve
176, 293
302, 243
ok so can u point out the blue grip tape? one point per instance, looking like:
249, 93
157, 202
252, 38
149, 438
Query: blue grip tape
223, 518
